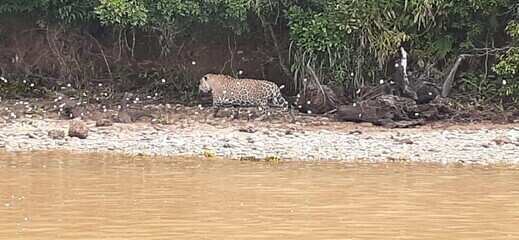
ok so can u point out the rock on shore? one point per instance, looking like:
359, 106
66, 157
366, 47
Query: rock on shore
78, 129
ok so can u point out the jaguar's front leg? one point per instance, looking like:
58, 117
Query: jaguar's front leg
264, 112
235, 113
291, 114
216, 110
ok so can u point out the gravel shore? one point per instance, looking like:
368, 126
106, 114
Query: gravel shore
469, 145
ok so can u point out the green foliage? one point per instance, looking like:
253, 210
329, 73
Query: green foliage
71, 11
508, 66
122, 12
513, 30
22, 6
315, 31
479, 87
66, 11
172, 12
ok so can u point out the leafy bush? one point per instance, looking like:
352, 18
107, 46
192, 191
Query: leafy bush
122, 12
508, 66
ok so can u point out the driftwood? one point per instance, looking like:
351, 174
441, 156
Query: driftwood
405, 101
403, 80
426, 92
394, 111
316, 99
407, 85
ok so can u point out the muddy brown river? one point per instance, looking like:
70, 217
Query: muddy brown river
69, 196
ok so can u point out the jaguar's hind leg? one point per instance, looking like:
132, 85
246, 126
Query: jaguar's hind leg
249, 114
216, 110
291, 114
280, 101
264, 113
235, 113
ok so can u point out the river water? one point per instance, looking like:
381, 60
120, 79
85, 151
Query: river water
68, 196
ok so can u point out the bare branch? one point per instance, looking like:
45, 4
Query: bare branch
447, 84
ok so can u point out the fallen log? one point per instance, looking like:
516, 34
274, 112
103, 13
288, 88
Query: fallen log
394, 111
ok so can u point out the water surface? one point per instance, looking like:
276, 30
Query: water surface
64, 196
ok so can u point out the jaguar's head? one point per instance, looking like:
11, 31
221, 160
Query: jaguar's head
204, 85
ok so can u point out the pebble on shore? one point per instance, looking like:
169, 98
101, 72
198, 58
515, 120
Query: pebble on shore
56, 134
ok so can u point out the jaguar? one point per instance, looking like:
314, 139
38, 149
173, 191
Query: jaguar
228, 91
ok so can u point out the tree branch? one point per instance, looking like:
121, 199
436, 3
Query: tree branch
268, 26
447, 84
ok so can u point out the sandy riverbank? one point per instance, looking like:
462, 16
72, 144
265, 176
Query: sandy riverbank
478, 143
